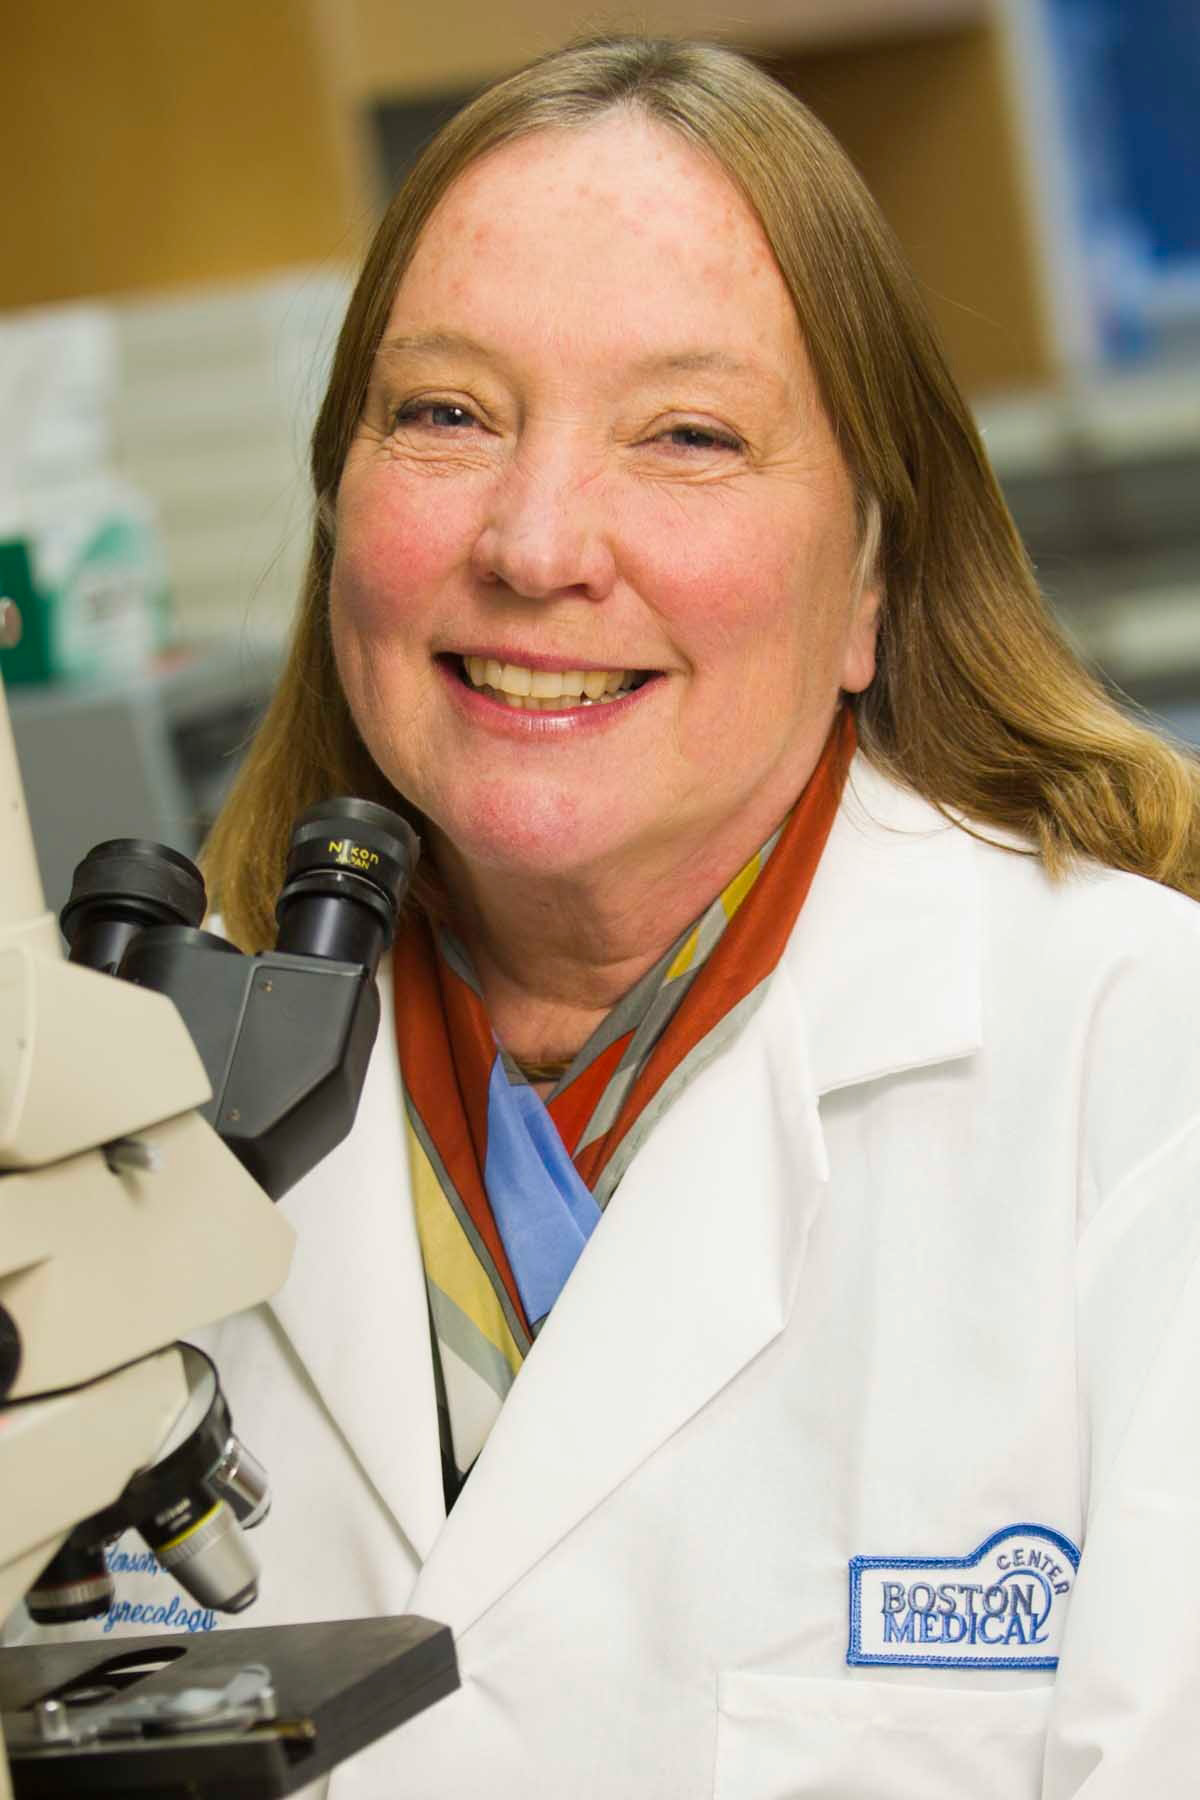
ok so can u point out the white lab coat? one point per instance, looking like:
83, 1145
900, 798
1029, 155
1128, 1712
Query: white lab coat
912, 1261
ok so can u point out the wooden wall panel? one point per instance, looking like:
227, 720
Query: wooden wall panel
148, 143
928, 123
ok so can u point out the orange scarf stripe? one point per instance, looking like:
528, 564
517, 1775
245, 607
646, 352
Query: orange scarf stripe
572, 1109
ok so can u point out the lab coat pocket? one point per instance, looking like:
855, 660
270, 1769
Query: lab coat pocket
786, 1737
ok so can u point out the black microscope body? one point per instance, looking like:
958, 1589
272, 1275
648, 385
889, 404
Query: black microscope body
284, 1036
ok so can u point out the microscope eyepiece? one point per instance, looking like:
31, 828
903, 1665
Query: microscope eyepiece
120, 888
349, 865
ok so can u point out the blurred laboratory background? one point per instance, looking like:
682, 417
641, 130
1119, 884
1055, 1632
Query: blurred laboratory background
187, 190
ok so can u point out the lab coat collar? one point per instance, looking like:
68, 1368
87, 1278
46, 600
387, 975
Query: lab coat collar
885, 958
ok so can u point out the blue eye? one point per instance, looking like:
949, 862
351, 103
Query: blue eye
701, 437
439, 415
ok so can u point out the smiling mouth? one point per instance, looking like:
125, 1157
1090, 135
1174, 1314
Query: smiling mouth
547, 690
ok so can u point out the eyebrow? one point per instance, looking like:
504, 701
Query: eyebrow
410, 343
697, 362
671, 362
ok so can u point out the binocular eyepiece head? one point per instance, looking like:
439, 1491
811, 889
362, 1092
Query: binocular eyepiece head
349, 865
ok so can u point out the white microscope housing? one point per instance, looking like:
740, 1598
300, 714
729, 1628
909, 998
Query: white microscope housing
105, 1166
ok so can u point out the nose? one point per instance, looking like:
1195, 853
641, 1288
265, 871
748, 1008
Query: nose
545, 532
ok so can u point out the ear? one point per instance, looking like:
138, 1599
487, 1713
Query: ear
858, 661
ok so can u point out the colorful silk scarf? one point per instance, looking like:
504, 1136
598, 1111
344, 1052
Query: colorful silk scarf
507, 1186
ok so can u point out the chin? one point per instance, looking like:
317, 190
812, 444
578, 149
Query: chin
511, 829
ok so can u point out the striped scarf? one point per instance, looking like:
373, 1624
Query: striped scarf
507, 1186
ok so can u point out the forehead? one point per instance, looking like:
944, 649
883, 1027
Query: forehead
619, 232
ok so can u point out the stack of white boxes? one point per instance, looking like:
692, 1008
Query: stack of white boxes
214, 405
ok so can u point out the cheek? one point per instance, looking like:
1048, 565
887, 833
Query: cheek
793, 602
394, 551
703, 573
762, 614
742, 597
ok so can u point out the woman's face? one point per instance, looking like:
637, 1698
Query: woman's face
593, 457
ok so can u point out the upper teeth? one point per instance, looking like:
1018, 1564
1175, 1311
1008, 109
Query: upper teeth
547, 684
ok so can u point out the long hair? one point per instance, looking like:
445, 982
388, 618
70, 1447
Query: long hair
978, 702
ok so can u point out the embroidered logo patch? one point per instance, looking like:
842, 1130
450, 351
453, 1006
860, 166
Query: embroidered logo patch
1001, 1607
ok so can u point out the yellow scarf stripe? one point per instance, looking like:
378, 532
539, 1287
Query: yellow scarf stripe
741, 884
446, 1248
682, 962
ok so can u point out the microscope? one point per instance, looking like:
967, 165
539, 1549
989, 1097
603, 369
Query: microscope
150, 1122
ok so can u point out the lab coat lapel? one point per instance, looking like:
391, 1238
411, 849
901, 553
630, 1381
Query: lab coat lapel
695, 1265
355, 1307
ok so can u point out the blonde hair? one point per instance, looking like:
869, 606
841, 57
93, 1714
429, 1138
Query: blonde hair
978, 702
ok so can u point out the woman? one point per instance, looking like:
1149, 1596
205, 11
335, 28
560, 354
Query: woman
816, 1132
